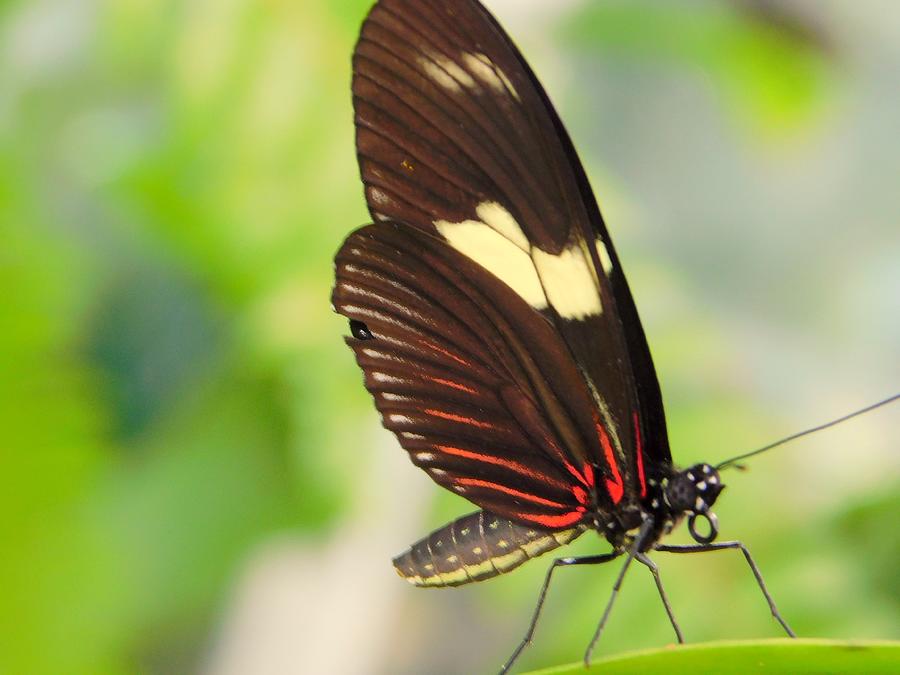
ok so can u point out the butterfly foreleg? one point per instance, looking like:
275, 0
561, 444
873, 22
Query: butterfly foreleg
646, 529
654, 570
724, 545
559, 562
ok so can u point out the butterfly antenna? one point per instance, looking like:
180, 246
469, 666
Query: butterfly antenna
734, 460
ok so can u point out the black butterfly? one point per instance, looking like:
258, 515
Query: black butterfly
491, 317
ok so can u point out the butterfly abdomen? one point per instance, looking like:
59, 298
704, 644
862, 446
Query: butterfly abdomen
476, 547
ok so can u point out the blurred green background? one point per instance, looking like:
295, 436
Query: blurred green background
192, 476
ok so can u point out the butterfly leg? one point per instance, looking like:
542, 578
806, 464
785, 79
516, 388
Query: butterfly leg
635, 550
724, 545
654, 570
559, 562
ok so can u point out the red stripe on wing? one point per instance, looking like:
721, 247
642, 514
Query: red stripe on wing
475, 482
459, 418
443, 351
614, 485
580, 495
553, 522
640, 455
455, 385
500, 461
589, 475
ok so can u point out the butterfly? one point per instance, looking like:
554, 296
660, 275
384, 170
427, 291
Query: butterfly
492, 319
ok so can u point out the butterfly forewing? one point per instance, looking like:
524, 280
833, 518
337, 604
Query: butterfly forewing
458, 141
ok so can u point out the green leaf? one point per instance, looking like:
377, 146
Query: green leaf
759, 656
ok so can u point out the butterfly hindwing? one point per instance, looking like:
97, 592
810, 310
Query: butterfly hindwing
477, 386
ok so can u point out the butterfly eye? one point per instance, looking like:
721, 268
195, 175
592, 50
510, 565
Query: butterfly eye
360, 331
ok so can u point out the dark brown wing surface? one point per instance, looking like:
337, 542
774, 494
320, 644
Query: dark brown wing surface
477, 386
456, 138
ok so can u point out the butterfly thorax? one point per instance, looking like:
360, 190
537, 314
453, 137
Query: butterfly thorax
682, 494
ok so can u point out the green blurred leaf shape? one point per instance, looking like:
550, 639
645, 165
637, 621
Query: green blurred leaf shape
768, 78
795, 657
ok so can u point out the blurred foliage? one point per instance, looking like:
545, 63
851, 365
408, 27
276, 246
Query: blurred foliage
174, 180
771, 73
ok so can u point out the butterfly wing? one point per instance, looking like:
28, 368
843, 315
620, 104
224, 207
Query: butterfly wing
478, 387
457, 139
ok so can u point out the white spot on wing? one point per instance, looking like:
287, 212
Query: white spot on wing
498, 218
383, 378
605, 260
399, 419
498, 255
455, 71
568, 279
376, 196
440, 75
394, 397
509, 85
424, 456
491, 74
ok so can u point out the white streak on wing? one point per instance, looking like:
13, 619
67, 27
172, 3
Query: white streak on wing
399, 419
384, 378
455, 71
568, 279
424, 456
489, 73
394, 397
378, 298
498, 255
376, 196
439, 75
497, 217
371, 314
605, 260
509, 85
411, 436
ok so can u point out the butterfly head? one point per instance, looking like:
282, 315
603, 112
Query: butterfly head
692, 492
